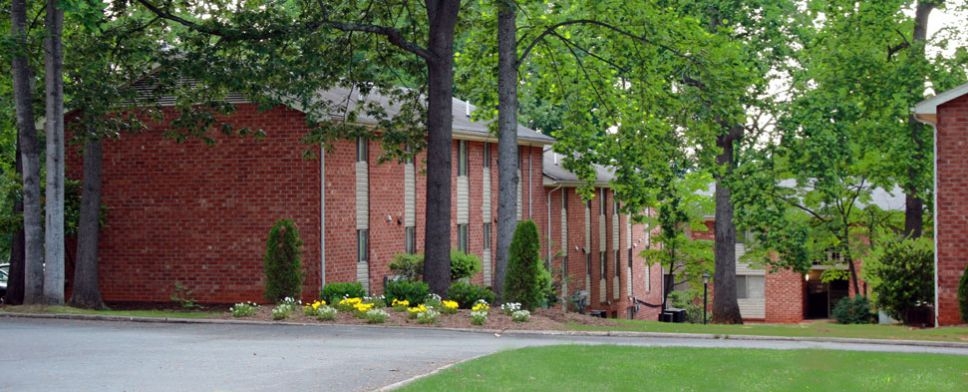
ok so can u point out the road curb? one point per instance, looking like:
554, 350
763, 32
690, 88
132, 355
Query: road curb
499, 332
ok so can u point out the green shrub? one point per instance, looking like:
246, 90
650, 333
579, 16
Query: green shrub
333, 292
409, 266
548, 296
463, 265
901, 273
412, 291
855, 310
963, 295
281, 262
466, 294
691, 302
521, 283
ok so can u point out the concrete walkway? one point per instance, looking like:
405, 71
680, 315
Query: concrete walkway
58, 353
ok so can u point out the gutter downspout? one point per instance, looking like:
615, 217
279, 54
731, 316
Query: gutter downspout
934, 128
935, 217
550, 255
530, 184
322, 217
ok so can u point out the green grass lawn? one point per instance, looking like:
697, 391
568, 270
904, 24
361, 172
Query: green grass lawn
622, 368
191, 314
809, 329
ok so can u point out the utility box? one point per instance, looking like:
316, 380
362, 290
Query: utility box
673, 315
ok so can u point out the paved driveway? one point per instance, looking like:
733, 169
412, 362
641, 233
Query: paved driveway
77, 355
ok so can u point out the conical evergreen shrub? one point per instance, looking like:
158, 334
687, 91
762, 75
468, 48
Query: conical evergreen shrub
281, 263
521, 284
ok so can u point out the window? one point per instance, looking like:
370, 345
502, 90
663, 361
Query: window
602, 260
410, 240
362, 245
462, 158
487, 155
362, 150
487, 235
618, 264
462, 238
749, 286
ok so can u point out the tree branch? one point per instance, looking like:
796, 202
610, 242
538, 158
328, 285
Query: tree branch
551, 30
230, 33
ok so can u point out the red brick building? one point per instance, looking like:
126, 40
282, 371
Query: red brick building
948, 113
197, 215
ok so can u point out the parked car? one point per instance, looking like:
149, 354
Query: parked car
4, 271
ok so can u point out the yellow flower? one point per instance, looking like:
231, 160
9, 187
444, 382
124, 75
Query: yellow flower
400, 303
417, 309
362, 307
448, 304
350, 301
480, 307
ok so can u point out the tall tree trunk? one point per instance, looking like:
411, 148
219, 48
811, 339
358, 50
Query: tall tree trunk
32, 223
507, 161
54, 228
913, 197
442, 15
86, 293
725, 306
15, 280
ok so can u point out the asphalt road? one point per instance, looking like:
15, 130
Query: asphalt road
78, 355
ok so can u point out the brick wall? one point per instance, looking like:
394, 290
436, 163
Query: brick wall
784, 294
952, 205
199, 215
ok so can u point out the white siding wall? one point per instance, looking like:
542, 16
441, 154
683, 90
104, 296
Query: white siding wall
752, 308
486, 217
363, 217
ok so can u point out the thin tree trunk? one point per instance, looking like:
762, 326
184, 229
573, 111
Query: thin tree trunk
913, 199
507, 86
86, 293
725, 306
15, 280
442, 15
54, 227
32, 223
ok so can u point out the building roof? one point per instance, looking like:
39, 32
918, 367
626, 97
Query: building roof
465, 128
556, 175
926, 111
341, 99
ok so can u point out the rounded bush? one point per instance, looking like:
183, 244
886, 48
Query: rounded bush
463, 265
333, 292
901, 273
281, 263
412, 291
855, 310
466, 294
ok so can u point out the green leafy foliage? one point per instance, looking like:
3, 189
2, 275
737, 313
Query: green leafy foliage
522, 283
408, 265
691, 302
282, 265
901, 273
335, 291
466, 294
463, 265
856, 310
413, 291
963, 295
